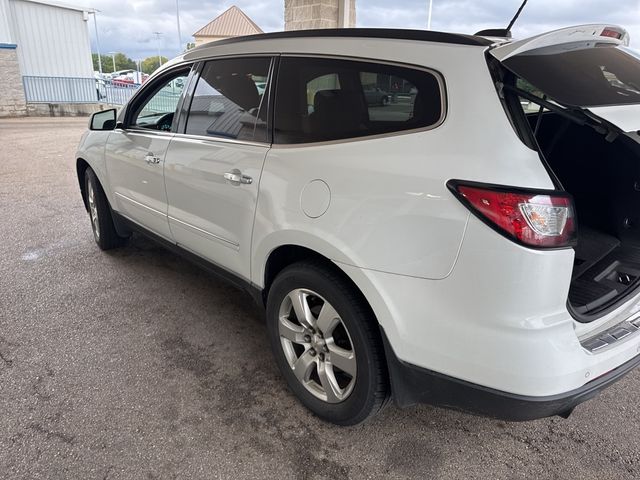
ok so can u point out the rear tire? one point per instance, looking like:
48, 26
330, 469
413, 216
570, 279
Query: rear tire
327, 344
104, 231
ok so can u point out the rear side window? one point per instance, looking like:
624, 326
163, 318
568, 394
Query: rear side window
321, 99
582, 74
230, 100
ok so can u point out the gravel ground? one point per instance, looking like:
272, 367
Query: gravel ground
136, 364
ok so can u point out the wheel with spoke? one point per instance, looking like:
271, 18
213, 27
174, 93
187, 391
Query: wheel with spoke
104, 231
317, 345
326, 343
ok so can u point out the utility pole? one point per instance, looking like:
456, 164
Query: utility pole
158, 34
429, 17
180, 49
113, 58
95, 24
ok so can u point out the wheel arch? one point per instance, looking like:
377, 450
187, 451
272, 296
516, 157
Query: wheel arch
81, 168
283, 255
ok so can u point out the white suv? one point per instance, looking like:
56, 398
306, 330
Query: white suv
470, 241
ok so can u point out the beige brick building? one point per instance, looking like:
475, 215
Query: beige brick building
12, 101
298, 15
308, 14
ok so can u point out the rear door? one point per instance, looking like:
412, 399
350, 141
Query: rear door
135, 154
213, 165
589, 67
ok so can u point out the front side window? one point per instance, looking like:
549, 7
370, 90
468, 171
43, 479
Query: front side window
325, 99
230, 100
157, 110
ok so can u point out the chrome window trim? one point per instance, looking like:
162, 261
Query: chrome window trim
439, 77
206, 138
236, 245
144, 131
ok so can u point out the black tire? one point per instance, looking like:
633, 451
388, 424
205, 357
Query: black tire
104, 232
385, 101
369, 390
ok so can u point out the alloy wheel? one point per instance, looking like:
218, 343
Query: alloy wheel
93, 210
317, 345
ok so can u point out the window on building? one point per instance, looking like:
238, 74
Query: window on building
325, 99
230, 100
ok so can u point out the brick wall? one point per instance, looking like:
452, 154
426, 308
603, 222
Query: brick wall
306, 14
12, 101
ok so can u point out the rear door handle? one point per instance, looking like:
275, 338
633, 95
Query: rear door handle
151, 159
236, 178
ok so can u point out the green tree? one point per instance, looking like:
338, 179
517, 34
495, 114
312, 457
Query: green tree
190, 45
150, 64
121, 60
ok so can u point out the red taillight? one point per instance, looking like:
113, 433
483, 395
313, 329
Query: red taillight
543, 219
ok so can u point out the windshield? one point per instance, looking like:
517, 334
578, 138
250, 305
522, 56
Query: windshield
583, 74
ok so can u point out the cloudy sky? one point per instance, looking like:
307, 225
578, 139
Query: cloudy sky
127, 26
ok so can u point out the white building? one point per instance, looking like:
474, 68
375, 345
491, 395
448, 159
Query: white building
45, 54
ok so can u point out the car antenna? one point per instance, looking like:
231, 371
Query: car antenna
515, 17
499, 32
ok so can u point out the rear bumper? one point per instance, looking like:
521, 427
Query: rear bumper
411, 385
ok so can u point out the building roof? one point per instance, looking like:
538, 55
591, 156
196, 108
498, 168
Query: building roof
233, 22
66, 6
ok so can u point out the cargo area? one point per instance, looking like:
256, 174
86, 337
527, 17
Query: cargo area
565, 92
604, 178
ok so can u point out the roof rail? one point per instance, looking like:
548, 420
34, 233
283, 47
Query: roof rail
391, 33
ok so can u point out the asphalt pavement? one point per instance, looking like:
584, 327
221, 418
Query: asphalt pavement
134, 364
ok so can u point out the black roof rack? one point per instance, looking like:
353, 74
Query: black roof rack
399, 34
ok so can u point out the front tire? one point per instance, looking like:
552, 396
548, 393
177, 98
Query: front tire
327, 344
104, 231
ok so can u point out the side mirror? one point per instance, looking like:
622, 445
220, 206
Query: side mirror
104, 120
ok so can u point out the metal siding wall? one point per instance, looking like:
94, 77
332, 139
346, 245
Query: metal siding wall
52, 41
5, 27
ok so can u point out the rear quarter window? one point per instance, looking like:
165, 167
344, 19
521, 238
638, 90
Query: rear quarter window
320, 99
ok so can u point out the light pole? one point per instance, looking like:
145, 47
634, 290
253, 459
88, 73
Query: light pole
95, 24
429, 17
158, 34
178, 23
113, 58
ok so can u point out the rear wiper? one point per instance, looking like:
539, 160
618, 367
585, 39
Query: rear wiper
576, 114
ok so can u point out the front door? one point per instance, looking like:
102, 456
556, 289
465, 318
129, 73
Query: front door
135, 154
212, 171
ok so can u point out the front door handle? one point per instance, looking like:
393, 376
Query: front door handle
151, 159
236, 178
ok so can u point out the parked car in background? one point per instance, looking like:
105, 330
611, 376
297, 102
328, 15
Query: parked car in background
376, 96
119, 73
130, 78
452, 248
